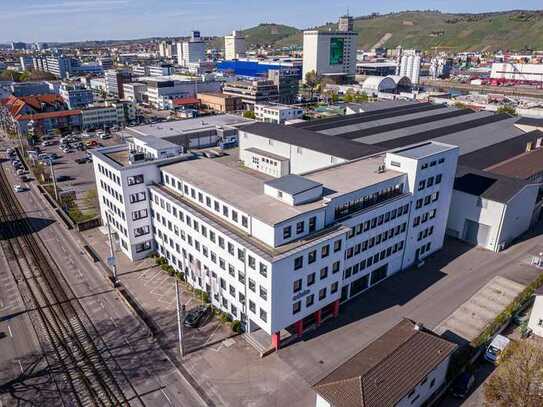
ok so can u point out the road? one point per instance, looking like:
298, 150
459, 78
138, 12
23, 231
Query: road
142, 361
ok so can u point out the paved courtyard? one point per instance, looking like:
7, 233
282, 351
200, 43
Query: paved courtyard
233, 374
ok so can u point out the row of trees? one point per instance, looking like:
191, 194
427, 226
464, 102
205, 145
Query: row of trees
9, 75
317, 83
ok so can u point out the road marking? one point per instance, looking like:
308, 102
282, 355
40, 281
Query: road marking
9, 329
21, 366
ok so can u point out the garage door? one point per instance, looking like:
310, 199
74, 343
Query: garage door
476, 233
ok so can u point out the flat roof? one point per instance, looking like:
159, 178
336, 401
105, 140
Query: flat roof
529, 121
155, 142
423, 150
177, 127
244, 188
311, 140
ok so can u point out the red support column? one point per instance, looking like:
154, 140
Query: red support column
318, 315
299, 327
336, 308
276, 340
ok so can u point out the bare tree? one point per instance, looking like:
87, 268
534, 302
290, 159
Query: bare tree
518, 380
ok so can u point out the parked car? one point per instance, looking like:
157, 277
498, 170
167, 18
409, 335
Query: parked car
496, 347
196, 316
463, 384
82, 160
91, 143
62, 178
22, 171
18, 188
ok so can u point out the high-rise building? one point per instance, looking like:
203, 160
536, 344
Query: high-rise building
287, 82
18, 46
346, 24
27, 62
330, 52
193, 50
167, 49
115, 79
76, 96
234, 46
60, 66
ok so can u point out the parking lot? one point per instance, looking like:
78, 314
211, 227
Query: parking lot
75, 177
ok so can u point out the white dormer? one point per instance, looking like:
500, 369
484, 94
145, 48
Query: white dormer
293, 189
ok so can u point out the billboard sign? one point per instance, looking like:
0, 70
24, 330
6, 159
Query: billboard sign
336, 51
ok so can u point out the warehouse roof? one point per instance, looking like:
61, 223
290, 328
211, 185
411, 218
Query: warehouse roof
529, 121
522, 166
494, 187
385, 371
499, 152
311, 140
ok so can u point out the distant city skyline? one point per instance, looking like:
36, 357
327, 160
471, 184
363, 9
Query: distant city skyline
80, 20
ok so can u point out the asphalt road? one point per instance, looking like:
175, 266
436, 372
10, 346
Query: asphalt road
142, 362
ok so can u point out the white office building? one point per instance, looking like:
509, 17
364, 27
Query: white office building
277, 114
192, 51
280, 249
234, 46
330, 52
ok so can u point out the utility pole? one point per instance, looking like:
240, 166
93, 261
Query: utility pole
112, 253
180, 318
54, 179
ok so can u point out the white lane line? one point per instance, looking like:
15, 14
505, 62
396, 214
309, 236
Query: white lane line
21, 367
10, 333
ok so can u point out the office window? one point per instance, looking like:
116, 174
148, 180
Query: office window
296, 307
335, 267
135, 179
263, 315
244, 221
252, 306
300, 227
234, 216
337, 245
251, 261
322, 293
287, 232
309, 300
422, 184
263, 293
438, 179
298, 263
324, 273
310, 279
225, 210
334, 288
312, 256
325, 251
252, 285
312, 224
297, 286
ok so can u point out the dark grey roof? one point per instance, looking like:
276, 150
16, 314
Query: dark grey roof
440, 132
323, 124
423, 150
293, 184
400, 124
499, 152
529, 121
493, 187
311, 140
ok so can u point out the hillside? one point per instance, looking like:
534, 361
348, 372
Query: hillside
262, 35
428, 29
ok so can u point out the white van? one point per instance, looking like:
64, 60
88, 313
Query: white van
497, 346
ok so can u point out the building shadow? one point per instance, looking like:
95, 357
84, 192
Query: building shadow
396, 290
22, 227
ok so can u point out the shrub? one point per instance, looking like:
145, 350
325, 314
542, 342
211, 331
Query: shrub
201, 295
236, 326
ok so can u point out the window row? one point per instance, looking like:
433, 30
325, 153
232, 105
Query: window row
111, 191
300, 227
310, 299
104, 171
423, 234
312, 255
372, 260
367, 201
311, 278
378, 220
111, 206
117, 225
375, 240
418, 220
427, 200
432, 163
430, 181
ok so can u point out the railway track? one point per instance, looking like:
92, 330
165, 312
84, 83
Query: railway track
82, 367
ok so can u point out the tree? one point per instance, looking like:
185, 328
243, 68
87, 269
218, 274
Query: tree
510, 110
518, 380
311, 79
248, 114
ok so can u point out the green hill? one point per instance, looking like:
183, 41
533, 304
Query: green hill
427, 29
262, 35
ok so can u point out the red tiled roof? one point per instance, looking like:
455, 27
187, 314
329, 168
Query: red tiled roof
36, 101
48, 115
185, 101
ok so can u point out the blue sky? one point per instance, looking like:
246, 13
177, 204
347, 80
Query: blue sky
70, 20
